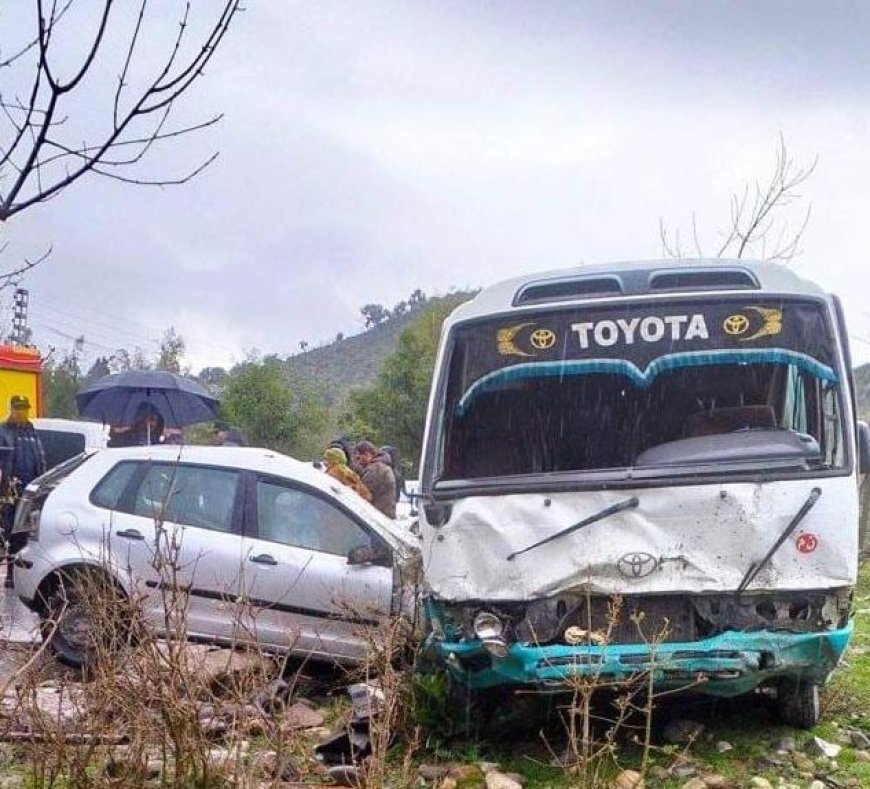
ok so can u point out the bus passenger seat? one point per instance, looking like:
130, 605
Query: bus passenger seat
725, 420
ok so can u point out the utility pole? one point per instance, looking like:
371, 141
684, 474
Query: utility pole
20, 334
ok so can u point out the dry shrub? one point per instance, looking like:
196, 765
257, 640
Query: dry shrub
149, 709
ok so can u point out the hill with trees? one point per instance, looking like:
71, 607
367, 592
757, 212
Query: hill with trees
353, 362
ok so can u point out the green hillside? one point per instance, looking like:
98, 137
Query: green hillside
353, 362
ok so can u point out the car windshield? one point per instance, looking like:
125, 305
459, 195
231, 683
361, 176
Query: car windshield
656, 387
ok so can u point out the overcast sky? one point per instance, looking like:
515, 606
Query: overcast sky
371, 148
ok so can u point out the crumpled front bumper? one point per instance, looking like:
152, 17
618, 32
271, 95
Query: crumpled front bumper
724, 665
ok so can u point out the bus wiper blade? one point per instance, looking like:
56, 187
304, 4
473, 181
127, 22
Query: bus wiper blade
755, 569
607, 511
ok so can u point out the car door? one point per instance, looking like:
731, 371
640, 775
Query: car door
305, 595
175, 530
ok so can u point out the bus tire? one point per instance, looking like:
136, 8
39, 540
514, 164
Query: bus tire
798, 702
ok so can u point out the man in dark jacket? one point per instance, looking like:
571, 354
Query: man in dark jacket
377, 475
22, 459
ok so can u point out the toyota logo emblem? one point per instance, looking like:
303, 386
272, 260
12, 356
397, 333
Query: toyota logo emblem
637, 564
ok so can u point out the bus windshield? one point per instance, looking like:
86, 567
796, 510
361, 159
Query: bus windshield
663, 387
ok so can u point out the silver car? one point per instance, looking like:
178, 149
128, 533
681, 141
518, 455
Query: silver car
265, 547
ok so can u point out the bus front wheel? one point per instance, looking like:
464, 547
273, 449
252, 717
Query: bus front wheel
798, 702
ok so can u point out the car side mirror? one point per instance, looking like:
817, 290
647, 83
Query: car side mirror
368, 554
362, 554
863, 447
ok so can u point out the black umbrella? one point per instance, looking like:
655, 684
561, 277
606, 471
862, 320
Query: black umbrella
116, 399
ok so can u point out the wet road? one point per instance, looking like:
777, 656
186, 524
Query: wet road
17, 624
18, 629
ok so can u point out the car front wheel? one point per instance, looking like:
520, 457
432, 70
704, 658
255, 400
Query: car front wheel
79, 617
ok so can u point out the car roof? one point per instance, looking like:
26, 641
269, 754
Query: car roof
258, 459
252, 458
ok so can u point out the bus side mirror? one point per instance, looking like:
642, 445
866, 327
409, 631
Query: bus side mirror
863, 447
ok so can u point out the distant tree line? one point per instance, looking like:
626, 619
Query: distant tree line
376, 314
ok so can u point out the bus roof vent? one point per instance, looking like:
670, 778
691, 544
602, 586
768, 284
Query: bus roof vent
567, 289
704, 279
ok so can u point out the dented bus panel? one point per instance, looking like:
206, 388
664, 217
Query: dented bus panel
646, 467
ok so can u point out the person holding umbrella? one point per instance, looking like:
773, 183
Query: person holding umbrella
146, 430
22, 459
149, 400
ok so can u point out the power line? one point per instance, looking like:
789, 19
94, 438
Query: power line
222, 349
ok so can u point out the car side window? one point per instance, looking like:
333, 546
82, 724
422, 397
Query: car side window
295, 517
188, 495
110, 488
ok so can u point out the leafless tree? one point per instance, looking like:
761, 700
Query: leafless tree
758, 224
48, 136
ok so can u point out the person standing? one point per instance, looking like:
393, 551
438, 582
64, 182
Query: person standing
22, 459
337, 468
377, 475
225, 435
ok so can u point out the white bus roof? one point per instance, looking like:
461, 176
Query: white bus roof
638, 278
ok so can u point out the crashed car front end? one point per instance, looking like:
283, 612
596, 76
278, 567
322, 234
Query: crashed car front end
717, 644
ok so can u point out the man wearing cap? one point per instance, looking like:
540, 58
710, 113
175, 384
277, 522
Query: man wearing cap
22, 459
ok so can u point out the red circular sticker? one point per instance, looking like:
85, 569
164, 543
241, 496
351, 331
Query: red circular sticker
807, 542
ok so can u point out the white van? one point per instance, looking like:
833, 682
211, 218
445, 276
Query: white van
65, 438
677, 436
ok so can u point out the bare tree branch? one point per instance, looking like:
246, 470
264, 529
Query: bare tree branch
757, 223
11, 279
40, 158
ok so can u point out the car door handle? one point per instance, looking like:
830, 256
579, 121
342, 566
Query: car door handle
130, 534
263, 558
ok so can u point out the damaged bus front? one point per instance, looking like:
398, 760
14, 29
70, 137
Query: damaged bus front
651, 467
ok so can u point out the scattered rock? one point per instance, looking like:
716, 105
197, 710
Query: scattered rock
448, 783
463, 772
802, 762
629, 779
344, 775
520, 779
213, 726
695, 783
154, 768
859, 739
432, 772
487, 767
219, 668
268, 763
659, 773
817, 784
273, 698
716, 781
785, 745
497, 780
723, 746
682, 731
770, 763
757, 782
862, 756
819, 747
683, 768
300, 716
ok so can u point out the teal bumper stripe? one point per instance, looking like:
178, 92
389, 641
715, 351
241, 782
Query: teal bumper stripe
728, 664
